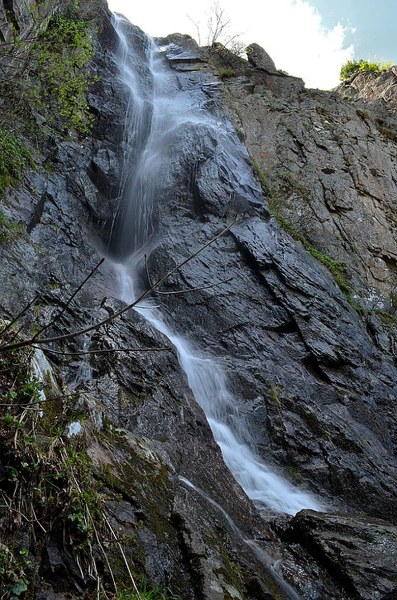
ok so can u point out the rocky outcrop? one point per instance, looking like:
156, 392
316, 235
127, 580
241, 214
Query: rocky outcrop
327, 166
258, 57
379, 90
315, 388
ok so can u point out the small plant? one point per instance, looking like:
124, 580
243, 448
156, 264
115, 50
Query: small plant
388, 133
389, 316
8, 229
227, 73
271, 104
336, 267
291, 181
146, 594
14, 158
352, 67
14, 567
276, 391
363, 114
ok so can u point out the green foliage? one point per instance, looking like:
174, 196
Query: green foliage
291, 182
14, 566
14, 158
45, 476
62, 59
337, 268
389, 316
276, 391
352, 67
144, 593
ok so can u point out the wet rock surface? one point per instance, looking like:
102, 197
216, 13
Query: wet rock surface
315, 386
360, 553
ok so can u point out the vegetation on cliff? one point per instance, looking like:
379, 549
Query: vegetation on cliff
44, 84
353, 67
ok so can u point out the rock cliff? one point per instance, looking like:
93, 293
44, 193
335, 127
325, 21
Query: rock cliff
112, 478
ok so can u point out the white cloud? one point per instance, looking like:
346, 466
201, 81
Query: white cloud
291, 31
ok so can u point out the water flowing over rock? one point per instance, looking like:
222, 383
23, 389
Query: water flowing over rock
265, 355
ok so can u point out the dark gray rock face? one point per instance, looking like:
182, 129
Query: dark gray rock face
328, 167
360, 553
377, 89
318, 393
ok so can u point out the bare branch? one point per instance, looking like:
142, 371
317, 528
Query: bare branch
217, 30
19, 315
70, 300
196, 289
106, 351
196, 25
78, 332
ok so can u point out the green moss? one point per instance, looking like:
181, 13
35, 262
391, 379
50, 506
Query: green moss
337, 268
275, 392
263, 178
231, 572
389, 134
363, 114
226, 73
291, 182
147, 593
55, 81
62, 59
140, 474
387, 317
44, 474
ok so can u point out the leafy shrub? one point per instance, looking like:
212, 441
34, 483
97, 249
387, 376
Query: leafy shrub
352, 67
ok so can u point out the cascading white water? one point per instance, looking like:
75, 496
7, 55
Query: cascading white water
206, 378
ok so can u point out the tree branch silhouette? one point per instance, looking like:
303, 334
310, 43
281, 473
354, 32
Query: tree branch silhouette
34, 341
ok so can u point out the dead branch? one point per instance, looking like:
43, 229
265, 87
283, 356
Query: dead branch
69, 301
106, 351
67, 336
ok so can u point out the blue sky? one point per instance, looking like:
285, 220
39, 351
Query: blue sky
374, 21
311, 39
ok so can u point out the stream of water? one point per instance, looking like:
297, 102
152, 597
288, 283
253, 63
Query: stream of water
155, 112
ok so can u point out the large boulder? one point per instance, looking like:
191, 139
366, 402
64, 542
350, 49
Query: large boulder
258, 57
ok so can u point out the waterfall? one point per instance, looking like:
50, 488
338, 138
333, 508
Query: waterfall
155, 113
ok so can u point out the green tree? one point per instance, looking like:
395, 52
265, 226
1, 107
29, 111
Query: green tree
352, 67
